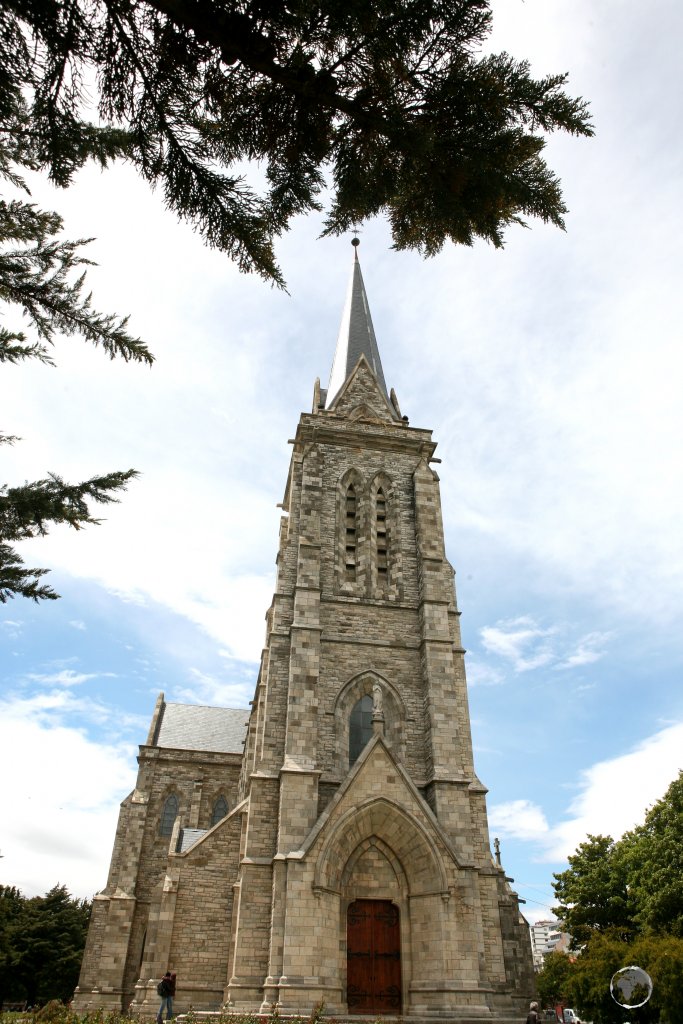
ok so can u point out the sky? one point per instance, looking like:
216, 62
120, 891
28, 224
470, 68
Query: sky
550, 373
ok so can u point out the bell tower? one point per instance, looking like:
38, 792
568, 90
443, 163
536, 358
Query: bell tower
363, 803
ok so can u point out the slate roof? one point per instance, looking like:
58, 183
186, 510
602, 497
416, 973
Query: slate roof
193, 727
188, 837
356, 337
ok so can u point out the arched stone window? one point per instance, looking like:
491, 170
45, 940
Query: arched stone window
351, 544
168, 815
360, 727
371, 701
220, 810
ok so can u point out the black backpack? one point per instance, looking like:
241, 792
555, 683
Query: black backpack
164, 987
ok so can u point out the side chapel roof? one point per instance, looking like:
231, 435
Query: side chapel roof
194, 727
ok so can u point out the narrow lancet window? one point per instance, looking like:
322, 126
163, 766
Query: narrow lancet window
168, 815
220, 810
360, 727
351, 545
381, 536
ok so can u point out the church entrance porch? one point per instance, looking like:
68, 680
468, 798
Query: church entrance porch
373, 957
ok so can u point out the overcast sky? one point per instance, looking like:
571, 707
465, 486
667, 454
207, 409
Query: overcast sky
550, 373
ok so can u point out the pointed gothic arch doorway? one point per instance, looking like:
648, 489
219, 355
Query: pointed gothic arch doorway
373, 957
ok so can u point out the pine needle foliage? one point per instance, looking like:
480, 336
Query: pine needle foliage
28, 511
39, 276
245, 114
41, 945
394, 103
42, 277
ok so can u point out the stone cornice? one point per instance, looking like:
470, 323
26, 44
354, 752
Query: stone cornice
178, 756
384, 437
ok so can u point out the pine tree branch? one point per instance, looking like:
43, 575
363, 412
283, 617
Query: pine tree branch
395, 100
13, 349
15, 581
28, 511
227, 214
36, 278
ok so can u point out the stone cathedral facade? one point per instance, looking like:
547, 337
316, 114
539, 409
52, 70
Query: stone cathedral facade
331, 843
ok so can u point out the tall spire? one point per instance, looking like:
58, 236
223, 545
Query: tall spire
356, 335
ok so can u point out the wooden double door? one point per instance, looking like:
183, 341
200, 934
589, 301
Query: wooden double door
373, 936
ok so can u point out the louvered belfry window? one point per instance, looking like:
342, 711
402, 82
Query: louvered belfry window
351, 546
381, 523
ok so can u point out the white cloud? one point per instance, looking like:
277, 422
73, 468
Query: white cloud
206, 580
481, 674
519, 819
614, 795
58, 818
78, 624
586, 652
206, 689
57, 707
521, 641
67, 677
13, 628
528, 645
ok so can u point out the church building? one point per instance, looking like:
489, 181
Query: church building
330, 844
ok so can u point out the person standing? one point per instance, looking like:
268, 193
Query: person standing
532, 1016
166, 990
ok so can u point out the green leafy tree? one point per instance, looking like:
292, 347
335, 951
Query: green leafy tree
653, 854
552, 981
588, 986
593, 893
623, 904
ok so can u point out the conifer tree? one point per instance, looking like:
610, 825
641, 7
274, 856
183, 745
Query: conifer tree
391, 105
391, 102
42, 939
39, 274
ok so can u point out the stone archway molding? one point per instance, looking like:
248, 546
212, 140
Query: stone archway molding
360, 684
398, 831
374, 842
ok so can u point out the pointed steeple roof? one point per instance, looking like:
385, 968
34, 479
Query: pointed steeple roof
356, 336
